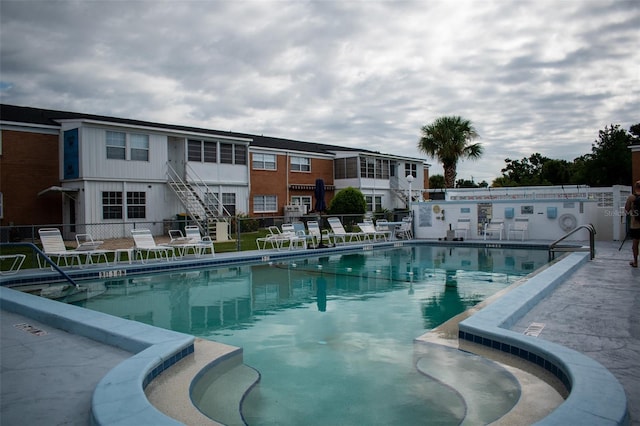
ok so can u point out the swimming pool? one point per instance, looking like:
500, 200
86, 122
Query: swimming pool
332, 336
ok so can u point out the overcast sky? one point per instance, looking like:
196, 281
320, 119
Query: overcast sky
532, 75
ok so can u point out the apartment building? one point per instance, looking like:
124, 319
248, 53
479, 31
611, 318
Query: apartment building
76, 169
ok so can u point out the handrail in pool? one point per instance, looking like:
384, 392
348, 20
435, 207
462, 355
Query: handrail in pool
46, 258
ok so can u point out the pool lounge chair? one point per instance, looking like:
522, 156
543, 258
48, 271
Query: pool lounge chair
53, 246
319, 235
382, 225
370, 233
200, 243
275, 238
145, 244
405, 229
462, 228
494, 227
301, 231
293, 238
90, 247
520, 225
180, 244
339, 233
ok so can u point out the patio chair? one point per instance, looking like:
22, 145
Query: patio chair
382, 225
370, 233
520, 225
180, 243
144, 243
462, 227
319, 235
339, 233
274, 238
53, 246
201, 244
405, 229
294, 239
494, 227
301, 231
90, 247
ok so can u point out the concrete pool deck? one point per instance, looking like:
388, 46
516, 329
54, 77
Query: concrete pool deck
595, 311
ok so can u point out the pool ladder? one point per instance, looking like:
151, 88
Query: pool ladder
553, 247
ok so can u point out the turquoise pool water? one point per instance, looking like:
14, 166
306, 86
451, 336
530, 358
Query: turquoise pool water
332, 336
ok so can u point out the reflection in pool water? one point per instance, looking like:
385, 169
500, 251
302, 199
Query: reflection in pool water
332, 336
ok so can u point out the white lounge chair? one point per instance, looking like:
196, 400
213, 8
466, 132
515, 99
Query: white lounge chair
301, 231
462, 228
370, 233
180, 244
318, 235
53, 246
200, 243
90, 247
520, 225
494, 227
293, 238
339, 233
382, 225
405, 229
145, 244
274, 238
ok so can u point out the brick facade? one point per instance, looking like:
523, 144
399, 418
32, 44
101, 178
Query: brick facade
29, 164
275, 182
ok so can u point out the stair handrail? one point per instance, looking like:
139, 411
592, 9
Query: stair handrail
46, 258
192, 173
592, 244
176, 179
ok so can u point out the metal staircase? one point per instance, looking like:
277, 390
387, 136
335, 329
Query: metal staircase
196, 197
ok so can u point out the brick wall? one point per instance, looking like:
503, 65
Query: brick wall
274, 182
29, 164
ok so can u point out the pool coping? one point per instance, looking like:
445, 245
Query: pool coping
119, 397
595, 395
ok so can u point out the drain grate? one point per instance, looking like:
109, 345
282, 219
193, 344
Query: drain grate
534, 329
30, 329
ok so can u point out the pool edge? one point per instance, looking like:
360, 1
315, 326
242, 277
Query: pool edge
595, 395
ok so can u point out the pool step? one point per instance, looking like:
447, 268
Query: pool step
221, 398
489, 391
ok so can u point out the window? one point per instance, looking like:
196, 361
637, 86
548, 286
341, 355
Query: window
374, 203
300, 164
194, 150
241, 154
111, 205
302, 200
226, 153
346, 168
374, 168
229, 202
211, 201
116, 145
265, 204
136, 205
139, 147
264, 161
410, 169
210, 152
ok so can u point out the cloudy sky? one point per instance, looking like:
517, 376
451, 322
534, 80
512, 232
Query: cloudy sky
532, 75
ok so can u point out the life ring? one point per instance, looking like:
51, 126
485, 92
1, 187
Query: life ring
568, 222
436, 209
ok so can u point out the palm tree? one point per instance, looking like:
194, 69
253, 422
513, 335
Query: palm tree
448, 139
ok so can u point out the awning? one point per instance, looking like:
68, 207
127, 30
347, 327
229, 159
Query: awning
58, 189
310, 187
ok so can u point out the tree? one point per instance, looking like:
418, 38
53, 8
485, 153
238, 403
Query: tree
348, 201
610, 160
436, 182
448, 139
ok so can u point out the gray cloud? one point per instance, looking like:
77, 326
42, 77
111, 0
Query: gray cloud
533, 76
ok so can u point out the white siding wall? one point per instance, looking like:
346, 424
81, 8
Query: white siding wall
95, 165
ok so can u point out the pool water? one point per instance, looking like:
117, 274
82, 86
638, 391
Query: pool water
332, 336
